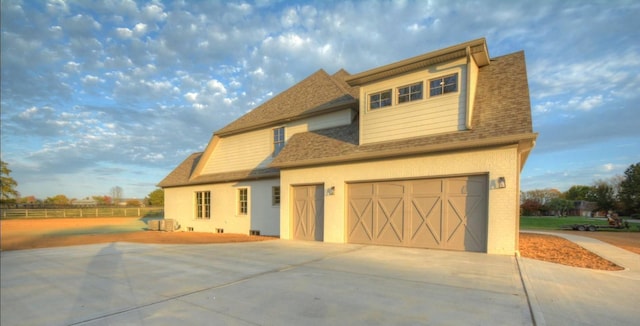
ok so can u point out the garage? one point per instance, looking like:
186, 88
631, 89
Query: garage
443, 213
308, 212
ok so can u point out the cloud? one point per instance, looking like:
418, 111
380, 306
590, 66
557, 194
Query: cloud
133, 84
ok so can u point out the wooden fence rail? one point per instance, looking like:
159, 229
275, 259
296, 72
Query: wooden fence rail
82, 212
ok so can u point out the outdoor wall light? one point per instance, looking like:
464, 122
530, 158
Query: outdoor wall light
502, 183
331, 191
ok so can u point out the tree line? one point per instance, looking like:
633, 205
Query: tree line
620, 194
11, 197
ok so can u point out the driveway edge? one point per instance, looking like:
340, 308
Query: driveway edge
534, 307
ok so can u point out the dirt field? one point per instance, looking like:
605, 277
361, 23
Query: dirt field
44, 233
41, 233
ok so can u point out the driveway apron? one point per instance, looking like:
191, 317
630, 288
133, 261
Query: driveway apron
262, 283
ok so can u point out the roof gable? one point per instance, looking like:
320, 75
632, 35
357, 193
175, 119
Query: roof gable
318, 93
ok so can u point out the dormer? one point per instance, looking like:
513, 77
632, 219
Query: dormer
425, 95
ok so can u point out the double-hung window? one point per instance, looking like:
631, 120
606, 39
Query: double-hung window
243, 201
410, 93
278, 140
380, 99
203, 204
443, 85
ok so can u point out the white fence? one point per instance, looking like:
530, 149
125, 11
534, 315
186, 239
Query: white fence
82, 212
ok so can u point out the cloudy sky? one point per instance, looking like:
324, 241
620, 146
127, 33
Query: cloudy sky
97, 94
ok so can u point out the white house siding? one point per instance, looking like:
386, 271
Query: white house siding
261, 216
495, 163
253, 149
243, 151
329, 120
444, 113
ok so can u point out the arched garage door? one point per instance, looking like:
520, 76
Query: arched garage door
446, 213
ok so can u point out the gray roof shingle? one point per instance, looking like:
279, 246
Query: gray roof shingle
318, 93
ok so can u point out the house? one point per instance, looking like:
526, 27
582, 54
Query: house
583, 208
425, 152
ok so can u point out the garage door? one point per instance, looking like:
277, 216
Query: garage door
448, 213
308, 215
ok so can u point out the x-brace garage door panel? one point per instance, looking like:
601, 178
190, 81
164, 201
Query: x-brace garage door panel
308, 212
449, 213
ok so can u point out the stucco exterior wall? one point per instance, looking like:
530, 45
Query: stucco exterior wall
261, 215
498, 162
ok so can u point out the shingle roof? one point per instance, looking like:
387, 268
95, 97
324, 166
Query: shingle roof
182, 175
318, 93
502, 114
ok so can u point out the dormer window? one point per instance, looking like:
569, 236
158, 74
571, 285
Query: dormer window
380, 99
443, 85
410, 93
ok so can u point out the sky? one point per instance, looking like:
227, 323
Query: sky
99, 94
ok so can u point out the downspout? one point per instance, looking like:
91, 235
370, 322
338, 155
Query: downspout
468, 104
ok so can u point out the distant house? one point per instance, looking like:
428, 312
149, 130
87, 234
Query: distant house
425, 152
583, 208
84, 202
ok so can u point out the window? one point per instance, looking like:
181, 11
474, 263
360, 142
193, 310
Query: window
275, 196
410, 93
380, 99
443, 85
278, 140
203, 204
243, 201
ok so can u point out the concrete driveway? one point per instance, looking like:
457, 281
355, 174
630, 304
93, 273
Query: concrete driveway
263, 283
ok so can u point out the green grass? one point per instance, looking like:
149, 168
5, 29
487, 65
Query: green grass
554, 222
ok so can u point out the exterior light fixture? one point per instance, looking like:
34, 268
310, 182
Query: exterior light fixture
502, 183
331, 191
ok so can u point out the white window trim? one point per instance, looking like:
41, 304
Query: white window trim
426, 90
202, 204
239, 202
390, 89
397, 93
441, 76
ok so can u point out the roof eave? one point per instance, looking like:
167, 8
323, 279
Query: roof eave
197, 182
478, 49
425, 149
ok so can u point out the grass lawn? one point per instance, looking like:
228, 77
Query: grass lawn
555, 222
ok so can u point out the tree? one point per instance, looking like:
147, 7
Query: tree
630, 189
156, 197
116, 194
530, 207
577, 193
603, 194
58, 200
560, 206
102, 200
9, 192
